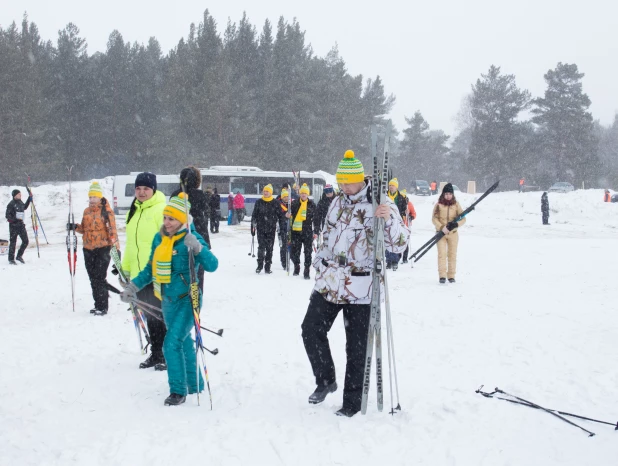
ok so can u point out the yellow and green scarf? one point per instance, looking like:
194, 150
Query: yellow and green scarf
392, 196
162, 261
301, 216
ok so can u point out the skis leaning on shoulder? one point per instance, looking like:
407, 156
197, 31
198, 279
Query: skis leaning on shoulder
71, 242
379, 183
136, 313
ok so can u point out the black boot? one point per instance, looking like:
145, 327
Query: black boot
152, 361
99, 312
20, 259
451, 280
175, 399
395, 266
12, 262
296, 269
161, 366
267, 270
306, 274
347, 412
442, 281
259, 267
321, 391
388, 265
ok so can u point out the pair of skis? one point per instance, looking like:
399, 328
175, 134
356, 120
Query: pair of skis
379, 186
71, 241
36, 220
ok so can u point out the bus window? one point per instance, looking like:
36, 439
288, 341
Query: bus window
222, 183
246, 185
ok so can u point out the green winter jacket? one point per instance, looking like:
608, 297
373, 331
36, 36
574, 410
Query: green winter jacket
141, 230
181, 277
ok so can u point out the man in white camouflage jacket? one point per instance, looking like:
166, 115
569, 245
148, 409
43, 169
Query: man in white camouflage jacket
344, 270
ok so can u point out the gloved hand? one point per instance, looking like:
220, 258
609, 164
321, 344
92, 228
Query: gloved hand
252, 230
450, 226
192, 243
114, 270
71, 226
129, 294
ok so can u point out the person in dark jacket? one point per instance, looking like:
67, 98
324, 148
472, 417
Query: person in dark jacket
304, 229
324, 204
266, 214
392, 259
15, 216
283, 226
199, 210
545, 208
215, 211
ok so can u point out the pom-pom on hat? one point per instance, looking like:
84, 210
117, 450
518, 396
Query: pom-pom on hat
175, 208
304, 189
350, 169
95, 190
394, 182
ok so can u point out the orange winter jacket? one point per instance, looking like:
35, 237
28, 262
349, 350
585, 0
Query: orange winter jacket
442, 214
96, 233
607, 197
411, 214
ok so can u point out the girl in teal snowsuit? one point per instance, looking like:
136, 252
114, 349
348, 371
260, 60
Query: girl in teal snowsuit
168, 269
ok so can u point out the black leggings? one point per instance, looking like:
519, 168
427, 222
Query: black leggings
97, 262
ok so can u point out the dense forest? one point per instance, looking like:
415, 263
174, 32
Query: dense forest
263, 98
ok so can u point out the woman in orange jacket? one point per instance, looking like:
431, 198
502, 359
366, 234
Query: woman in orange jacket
99, 229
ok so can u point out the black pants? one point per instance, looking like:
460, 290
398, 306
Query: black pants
156, 328
97, 263
301, 240
405, 253
545, 218
266, 243
15, 230
214, 221
283, 249
318, 321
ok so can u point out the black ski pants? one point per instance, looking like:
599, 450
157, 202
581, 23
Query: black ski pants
318, 321
156, 328
301, 240
97, 262
214, 221
15, 230
266, 243
545, 218
283, 248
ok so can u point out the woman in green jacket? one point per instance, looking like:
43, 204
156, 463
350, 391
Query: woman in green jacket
143, 222
169, 271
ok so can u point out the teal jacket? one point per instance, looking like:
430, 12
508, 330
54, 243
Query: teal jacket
181, 278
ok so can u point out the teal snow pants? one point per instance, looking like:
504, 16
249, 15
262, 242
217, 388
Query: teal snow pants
179, 347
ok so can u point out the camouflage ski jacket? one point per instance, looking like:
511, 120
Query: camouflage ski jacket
344, 262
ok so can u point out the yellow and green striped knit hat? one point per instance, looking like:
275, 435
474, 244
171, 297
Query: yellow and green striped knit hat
350, 169
175, 208
95, 190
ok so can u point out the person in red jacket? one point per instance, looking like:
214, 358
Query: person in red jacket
239, 206
607, 197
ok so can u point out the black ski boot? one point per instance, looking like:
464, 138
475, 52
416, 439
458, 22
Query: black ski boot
296, 270
258, 270
347, 412
321, 391
20, 259
442, 281
451, 280
152, 361
175, 399
99, 312
306, 274
93, 311
267, 270
161, 366
12, 262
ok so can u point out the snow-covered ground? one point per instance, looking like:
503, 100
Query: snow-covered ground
533, 312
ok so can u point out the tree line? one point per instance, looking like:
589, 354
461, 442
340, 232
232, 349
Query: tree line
265, 99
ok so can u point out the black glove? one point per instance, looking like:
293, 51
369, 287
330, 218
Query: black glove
115, 270
252, 230
450, 226
71, 226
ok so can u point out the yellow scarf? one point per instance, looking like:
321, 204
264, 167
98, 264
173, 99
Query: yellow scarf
162, 261
392, 196
267, 199
301, 216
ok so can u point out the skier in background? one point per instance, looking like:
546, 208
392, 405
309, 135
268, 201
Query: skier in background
545, 208
239, 206
434, 187
522, 183
15, 216
444, 214
231, 218
304, 229
344, 267
283, 226
607, 197
266, 215
392, 259
215, 211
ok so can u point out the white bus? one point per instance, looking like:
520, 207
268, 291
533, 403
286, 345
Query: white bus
249, 181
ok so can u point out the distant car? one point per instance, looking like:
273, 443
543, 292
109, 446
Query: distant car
421, 188
561, 187
615, 198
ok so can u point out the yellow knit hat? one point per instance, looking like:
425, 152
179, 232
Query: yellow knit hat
304, 189
285, 193
394, 182
350, 169
404, 193
175, 208
95, 190
269, 188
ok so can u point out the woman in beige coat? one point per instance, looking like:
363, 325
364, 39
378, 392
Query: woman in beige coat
444, 214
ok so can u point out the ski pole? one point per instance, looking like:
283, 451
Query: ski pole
489, 395
497, 390
40, 224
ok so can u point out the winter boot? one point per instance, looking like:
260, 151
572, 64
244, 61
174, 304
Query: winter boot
404, 261
20, 259
296, 270
267, 270
347, 412
12, 262
93, 311
395, 266
259, 267
175, 399
442, 281
388, 265
321, 391
451, 280
161, 366
99, 312
306, 274
152, 361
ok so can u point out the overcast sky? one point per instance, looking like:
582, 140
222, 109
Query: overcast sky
427, 53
